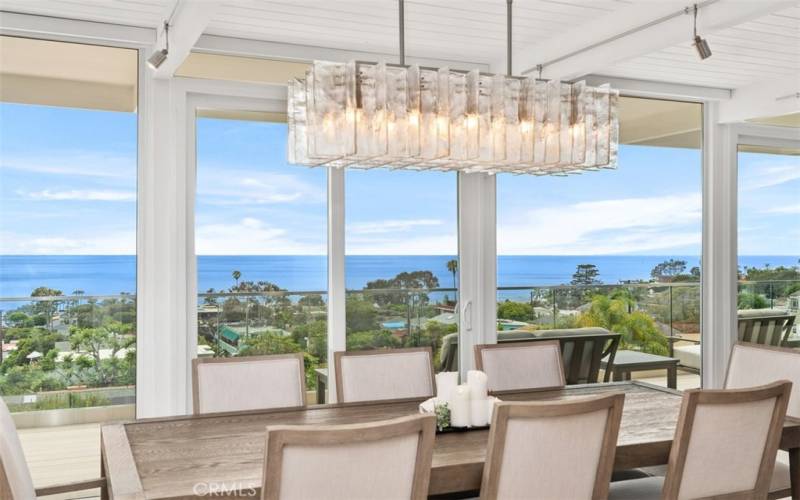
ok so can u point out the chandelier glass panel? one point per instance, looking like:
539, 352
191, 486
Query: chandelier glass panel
368, 115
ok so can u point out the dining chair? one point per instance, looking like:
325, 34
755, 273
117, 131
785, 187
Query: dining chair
385, 459
752, 364
248, 383
16, 482
521, 365
384, 374
724, 446
546, 450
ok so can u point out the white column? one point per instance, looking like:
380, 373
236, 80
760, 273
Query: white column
165, 250
336, 277
477, 265
719, 260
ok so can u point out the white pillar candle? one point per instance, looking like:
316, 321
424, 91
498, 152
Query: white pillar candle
478, 385
460, 407
446, 383
478, 413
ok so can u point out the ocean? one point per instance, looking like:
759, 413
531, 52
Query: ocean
112, 274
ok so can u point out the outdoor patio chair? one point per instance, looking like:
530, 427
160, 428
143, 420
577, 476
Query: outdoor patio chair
546, 450
386, 459
384, 374
754, 365
248, 383
15, 477
756, 326
724, 446
521, 365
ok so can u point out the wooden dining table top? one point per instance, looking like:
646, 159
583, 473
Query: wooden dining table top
168, 457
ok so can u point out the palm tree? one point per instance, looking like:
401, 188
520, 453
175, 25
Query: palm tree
452, 266
236, 276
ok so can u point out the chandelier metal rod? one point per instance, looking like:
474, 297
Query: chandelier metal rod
509, 71
402, 29
655, 22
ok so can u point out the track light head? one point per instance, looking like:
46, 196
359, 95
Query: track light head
703, 50
157, 58
702, 47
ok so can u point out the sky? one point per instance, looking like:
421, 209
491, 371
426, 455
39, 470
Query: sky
68, 186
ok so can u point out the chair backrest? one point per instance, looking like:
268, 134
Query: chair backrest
512, 366
725, 442
384, 374
248, 383
389, 459
752, 365
15, 478
544, 450
769, 328
582, 355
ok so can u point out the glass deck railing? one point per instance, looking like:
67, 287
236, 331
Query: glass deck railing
78, 351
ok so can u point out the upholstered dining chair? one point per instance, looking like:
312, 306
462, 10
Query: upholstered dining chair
384, 374
752, 364
724, 446
545, 450
386, 459
248, 383
15, 477
521, 365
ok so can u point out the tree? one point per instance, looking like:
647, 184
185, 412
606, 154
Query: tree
236, 275
668, 270
452, 266
639, 331
586, 274
394, 290
46, 308
111, 368
361, 315
747, 300
311, 300
517, 311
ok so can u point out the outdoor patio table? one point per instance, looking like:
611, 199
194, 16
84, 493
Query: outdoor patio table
186, 457
626, 362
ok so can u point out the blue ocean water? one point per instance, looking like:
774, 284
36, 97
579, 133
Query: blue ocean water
107, 275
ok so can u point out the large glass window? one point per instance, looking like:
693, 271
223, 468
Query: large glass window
68, 156
769, 243
260, 239
617, 249
402, 266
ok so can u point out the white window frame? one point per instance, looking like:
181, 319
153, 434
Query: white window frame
721, 230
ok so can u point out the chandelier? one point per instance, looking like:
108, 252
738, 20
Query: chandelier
368, 115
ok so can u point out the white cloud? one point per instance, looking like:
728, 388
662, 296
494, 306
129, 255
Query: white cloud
73, 164
768, 176
788, 209
224, 186
113, 243
440, 244
391, 226
605, 227
81, 195
251, 236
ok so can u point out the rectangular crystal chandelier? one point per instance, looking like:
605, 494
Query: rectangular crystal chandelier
368, 115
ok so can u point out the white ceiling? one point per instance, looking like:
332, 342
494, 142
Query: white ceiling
470, 30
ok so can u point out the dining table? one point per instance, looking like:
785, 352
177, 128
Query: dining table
195, 456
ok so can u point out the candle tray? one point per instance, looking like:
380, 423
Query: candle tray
448, 430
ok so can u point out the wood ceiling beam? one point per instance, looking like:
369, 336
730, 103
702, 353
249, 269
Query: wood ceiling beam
766, 98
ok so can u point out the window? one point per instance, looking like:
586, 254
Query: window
402, 261
769, 236
618, 249
68, 163
260, 240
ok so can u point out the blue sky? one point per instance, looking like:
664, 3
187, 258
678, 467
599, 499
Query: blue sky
68, 186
